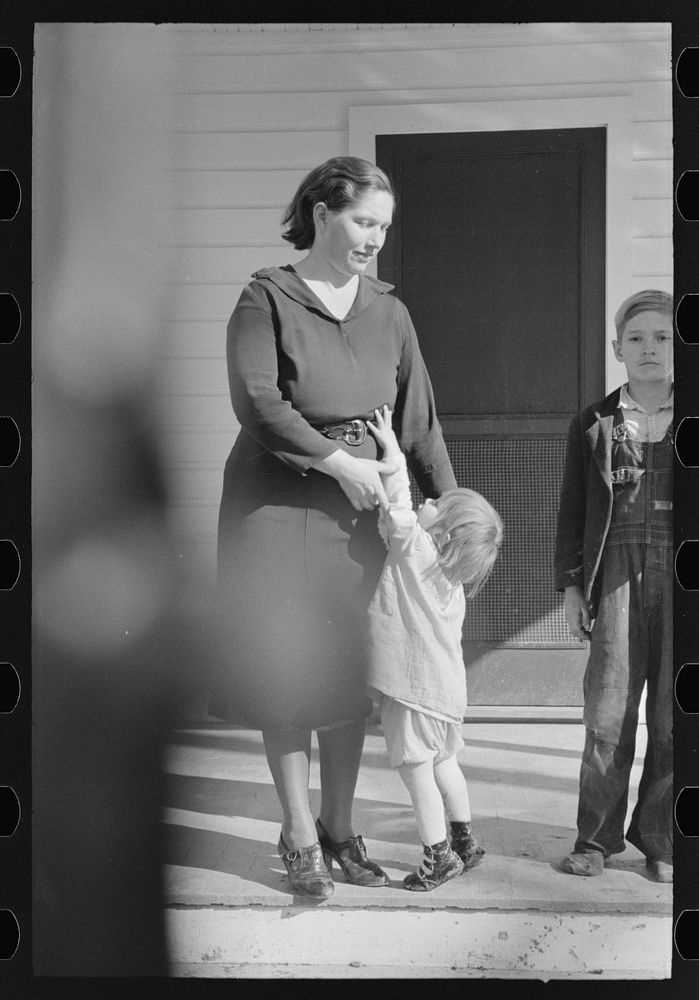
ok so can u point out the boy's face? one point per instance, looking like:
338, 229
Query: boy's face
645, 347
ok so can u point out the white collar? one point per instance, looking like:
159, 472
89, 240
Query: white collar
629, 403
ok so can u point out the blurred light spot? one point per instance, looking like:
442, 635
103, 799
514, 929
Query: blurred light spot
102, 349
103, 589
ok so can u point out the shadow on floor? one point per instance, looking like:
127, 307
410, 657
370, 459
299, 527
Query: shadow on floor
390, 821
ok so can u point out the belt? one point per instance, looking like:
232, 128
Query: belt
352, 432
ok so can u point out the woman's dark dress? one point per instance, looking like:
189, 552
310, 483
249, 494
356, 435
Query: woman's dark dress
297, 564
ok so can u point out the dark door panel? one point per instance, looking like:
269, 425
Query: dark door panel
498, 252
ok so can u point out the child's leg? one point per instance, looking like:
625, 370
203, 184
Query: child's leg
425, 795
453, 789
439, 862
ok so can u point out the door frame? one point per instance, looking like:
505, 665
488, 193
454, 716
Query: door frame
613, 113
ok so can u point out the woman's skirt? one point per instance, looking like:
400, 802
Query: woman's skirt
297, 566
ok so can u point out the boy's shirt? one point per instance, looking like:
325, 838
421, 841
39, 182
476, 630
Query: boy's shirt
644, 426
585, 504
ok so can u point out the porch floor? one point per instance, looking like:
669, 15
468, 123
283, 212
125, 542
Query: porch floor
516, 914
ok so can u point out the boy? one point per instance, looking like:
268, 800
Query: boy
614, 559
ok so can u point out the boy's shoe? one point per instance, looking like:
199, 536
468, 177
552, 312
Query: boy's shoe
660, 871
439, 864
588, 864
465, 844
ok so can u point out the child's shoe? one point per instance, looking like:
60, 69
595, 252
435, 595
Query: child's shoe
465, 844
439, 864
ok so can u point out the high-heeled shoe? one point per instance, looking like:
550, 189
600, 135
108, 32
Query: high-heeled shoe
357, 868
306, 870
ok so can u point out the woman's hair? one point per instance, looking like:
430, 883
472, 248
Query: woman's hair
339, 182
649, 300
468, 536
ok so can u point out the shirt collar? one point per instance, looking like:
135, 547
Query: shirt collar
629, 403
294, 286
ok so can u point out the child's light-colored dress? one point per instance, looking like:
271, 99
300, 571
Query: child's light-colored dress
416, 666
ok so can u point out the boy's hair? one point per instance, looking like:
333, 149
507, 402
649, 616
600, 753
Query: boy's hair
468, 535
649, 300
339, 182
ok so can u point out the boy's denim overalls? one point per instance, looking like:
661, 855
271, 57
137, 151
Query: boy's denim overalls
631, 643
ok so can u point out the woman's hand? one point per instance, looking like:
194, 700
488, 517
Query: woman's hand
577, 612
359, 478
384, 433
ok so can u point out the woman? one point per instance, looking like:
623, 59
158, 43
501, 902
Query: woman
312, 350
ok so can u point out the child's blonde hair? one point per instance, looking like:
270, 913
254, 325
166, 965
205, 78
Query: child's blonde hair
468, 536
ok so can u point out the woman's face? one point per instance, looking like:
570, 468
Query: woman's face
350, 238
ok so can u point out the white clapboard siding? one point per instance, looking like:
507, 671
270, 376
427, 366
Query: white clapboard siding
192, 445
229, 261
652, 217
254, 107
309, 110
194, 339
252, 150
651, 140
331, 37
227, 226
195, 480
466, 67
213, 301
269, 188
201, 188
652, 179
183, 412
232, 264
652, 255
641, 281
194, 520
195, 375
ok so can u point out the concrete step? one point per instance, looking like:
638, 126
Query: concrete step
232, 913
336, 943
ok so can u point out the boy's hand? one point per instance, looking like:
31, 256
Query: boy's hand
385, 435
577, 612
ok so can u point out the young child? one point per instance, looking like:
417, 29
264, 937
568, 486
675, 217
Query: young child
416, 670
614, 560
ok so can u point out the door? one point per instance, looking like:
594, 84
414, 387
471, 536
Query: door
498, 252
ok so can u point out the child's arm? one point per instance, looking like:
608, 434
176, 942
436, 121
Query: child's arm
399, 515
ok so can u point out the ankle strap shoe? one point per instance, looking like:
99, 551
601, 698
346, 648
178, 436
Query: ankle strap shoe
439, 864
465, 844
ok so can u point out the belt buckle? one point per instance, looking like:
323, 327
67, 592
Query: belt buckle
354, 433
